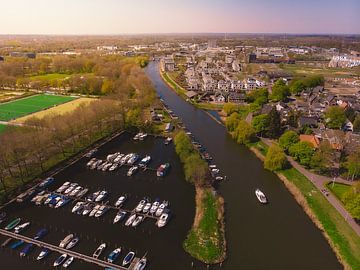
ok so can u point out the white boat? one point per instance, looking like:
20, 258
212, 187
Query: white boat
87, 209
113, 167
130, 220
66, 241
146, 208
77, 207
75, 191
43, 254
215, 171
60, 260
143, 162
102, 210
118, 158
72, 243
68, 262
119, 216
107, 166
163, 220
128, 258
91, 162
140, 206
99, 250
142, 136
140, 265
94, 210
161, 209
70, 188
261, 196
134, 157
168, 140
212, 166
137, 221
132, 170
63, 187
101, 196
21, 227
120, 201
154, 207
82, 193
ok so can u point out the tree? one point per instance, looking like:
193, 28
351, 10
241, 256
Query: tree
232, 121
323, 159
280, 91
244, 133
335, 117
302, 152
313, 81
260, 123
260, 96
350, 114
357, 123
288, 139
275, 158
274, 129
297, 86
195, 169
352, 164
230, 108
351, 199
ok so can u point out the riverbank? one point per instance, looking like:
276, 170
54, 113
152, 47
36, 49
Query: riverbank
206, 239
340, 236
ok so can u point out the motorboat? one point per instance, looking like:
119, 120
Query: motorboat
70, 188
113, 255
162, 170
63, 187
17, 244
120, 201
76, 191
145, 161
143, 136
39, 195
60, 260
91, 153
91, 162
54, 201
161, 208
63, 201
212, 166
87, 209
26, 195
13, 224
68, 262
118, 158
45, 183
82, 193
66, 240
21, 227
146, 208
102, 210
94, 210
50, 198
43, 253
132, 170
40, 234
113, 167
261, 196
124, 159
72, 243
219, 178
163, 220
140, 206
101, 166
96, 164
154, 207
134, 157
77, 206
119, 216
215, 171
99, 250
107, 166
101, 196
140, 265
93, 196
26, 250
130, 220
128, 258
137, 221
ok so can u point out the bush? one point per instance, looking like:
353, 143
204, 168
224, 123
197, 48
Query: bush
244, 133
275, 159
302, 152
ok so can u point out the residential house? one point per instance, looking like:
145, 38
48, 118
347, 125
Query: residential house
224, 86
167, 64
311, 139
308, 121
250, 84
237, 85
236, 97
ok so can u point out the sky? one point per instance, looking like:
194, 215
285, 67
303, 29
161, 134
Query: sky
107, 17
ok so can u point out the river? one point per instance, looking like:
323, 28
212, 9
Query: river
275, 236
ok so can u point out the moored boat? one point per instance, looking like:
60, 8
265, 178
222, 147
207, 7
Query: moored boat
72, 243
261, 196
130, 220
60, 260
43, 253
140, 265
113, 255
128, 258
162, 170
21, 227
66, 240
99, 250
13, 224
68, 262
26, 250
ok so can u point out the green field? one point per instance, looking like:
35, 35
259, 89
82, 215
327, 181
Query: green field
17, 108
2, 128
49, 77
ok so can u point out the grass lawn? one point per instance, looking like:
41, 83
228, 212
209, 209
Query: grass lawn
49, 77
338, 189
205, 240
178, 89
2, 128
302, 70
57, 110
345, 240
24, 106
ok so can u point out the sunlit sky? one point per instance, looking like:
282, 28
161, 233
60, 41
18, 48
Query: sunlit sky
178, 16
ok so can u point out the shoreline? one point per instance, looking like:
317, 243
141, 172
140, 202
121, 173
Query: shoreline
298, 196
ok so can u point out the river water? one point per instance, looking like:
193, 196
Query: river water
275, 236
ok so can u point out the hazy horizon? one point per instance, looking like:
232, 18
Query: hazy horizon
111, 17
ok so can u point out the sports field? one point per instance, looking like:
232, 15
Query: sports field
17, 108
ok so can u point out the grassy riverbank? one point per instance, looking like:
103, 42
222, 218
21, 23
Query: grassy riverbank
206, 239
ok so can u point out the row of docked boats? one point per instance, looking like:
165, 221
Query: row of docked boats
72, 190
30, 193
50, 199
140, 136
90, 209
114, 255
